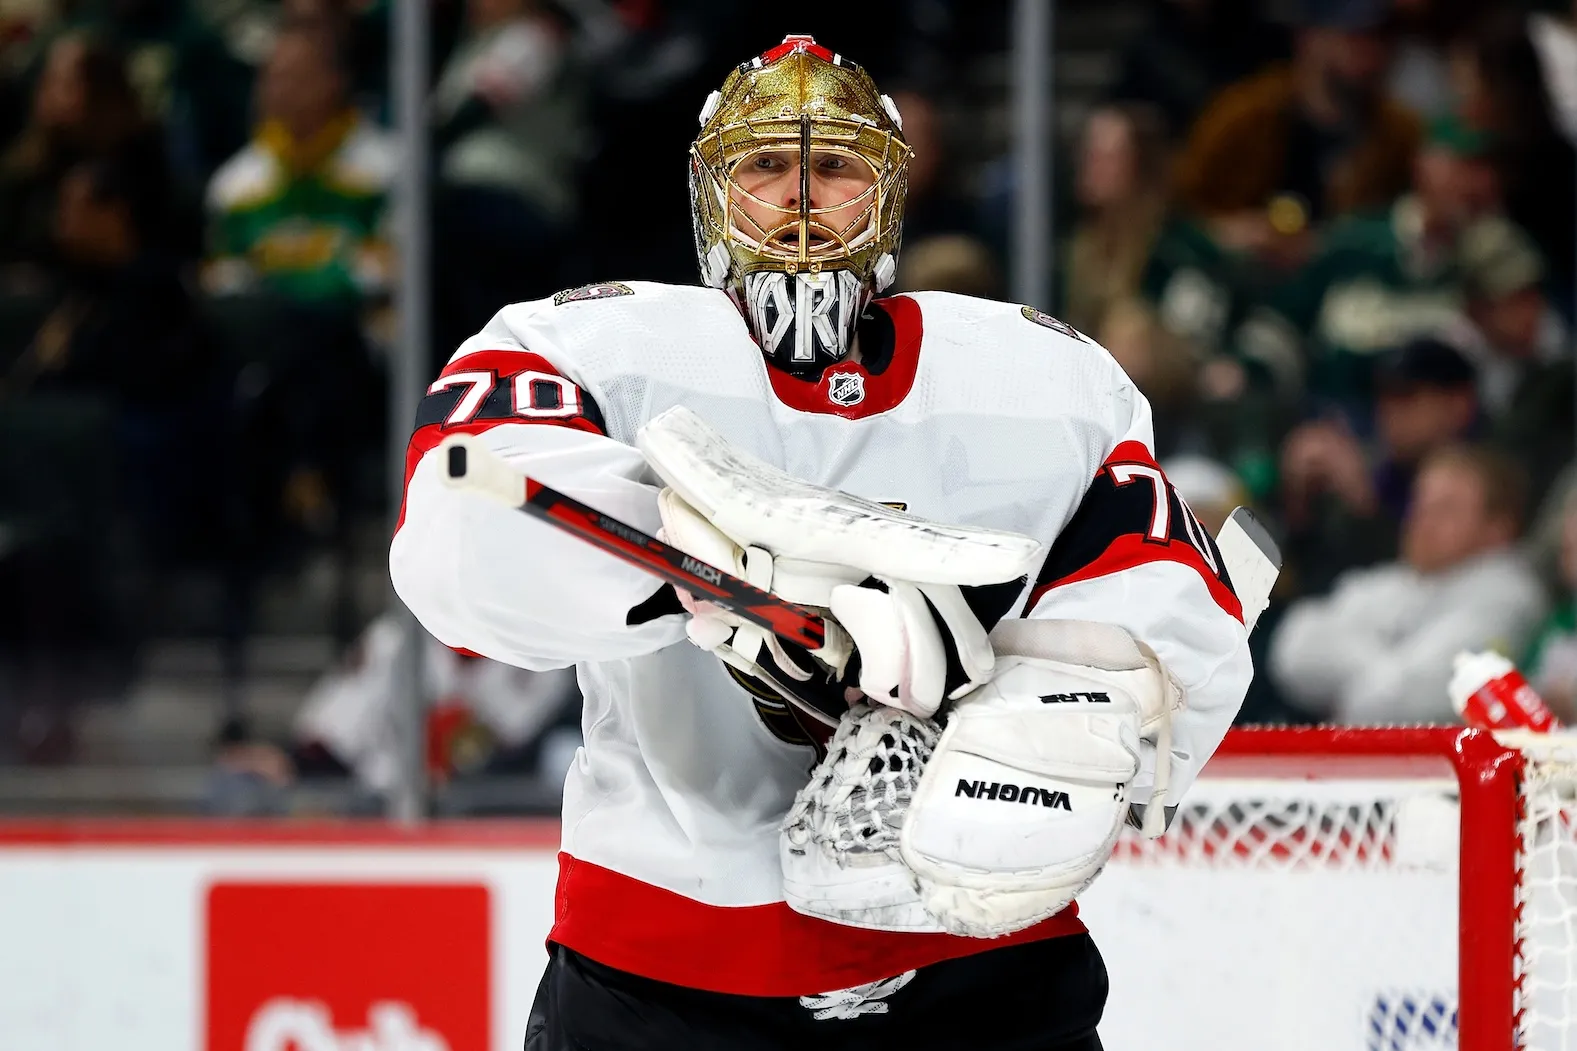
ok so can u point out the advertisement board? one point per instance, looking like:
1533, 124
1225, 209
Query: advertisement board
199, 937
1340, 934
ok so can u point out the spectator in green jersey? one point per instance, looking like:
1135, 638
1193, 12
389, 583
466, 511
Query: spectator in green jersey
297, 241
1382, 278
300, 210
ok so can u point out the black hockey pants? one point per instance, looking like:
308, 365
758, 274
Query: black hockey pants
1043, 996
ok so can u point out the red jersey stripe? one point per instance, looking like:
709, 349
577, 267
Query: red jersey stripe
750, 950
1129, 551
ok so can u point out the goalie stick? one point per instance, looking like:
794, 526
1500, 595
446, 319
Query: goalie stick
468, 464
1248, 553
1252, 561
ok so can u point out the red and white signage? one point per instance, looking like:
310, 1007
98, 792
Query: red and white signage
197, 936
348, 967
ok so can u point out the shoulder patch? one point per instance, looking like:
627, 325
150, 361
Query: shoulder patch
1040, 317
603, 290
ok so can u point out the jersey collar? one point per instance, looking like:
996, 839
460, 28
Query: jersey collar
850, 389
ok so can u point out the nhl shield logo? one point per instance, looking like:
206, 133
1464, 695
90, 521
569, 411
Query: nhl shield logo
845, 388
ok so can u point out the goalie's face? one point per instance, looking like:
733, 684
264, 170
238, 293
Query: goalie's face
828, 203
797, 183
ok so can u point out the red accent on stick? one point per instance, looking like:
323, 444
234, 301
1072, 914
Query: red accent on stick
783, 619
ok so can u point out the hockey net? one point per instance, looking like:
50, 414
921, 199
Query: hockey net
1345, 889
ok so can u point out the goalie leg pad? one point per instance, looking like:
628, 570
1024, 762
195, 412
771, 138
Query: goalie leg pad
1027, 790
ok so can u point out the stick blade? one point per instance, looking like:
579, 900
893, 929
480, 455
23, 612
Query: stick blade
1252, 560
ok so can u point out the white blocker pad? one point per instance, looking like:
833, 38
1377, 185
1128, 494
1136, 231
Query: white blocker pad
1023, 799
758, 505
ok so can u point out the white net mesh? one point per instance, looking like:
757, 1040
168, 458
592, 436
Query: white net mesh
1319, 912
1547, 899
861, 788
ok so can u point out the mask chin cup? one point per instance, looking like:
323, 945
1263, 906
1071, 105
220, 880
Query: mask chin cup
804, 322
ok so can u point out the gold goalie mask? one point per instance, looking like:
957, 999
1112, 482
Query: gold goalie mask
797, 187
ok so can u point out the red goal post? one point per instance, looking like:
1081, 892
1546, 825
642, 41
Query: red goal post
1383, 889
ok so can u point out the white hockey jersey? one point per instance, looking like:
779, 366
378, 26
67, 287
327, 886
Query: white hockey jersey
980, 412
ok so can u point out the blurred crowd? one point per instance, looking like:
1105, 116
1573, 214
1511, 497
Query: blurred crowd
1337, 253
196, 284
1334, 242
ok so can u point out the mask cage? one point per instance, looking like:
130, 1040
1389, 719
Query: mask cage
717, 156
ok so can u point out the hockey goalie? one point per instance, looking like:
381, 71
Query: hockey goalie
1029, 638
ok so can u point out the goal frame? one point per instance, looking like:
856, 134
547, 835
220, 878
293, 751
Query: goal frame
1488, 769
